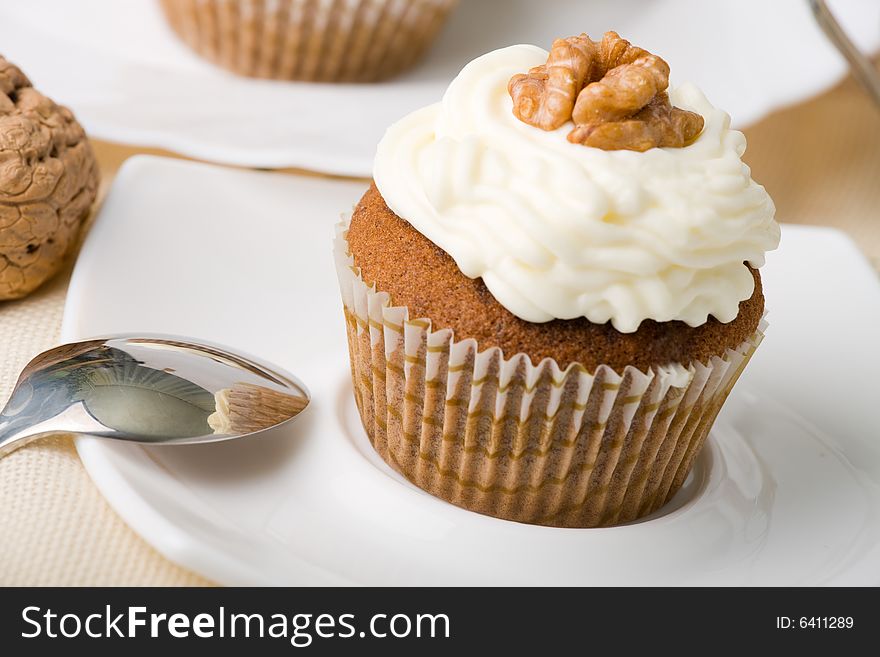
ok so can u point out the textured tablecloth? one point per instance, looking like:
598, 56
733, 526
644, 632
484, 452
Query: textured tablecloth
820, 161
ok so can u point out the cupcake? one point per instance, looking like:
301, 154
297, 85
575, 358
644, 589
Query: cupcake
310, 40
552, 285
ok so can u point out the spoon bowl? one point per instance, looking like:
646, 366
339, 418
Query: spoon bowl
151, 389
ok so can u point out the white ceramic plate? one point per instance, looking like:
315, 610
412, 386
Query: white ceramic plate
129, 79
787, 491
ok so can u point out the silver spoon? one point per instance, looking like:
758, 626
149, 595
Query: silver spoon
862, 68
147, 389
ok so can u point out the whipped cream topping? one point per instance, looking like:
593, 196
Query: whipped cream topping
561, 230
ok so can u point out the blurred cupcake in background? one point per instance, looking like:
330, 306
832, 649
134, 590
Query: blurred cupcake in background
310, 40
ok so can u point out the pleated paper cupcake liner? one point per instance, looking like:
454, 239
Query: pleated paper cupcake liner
499, 435
310, 40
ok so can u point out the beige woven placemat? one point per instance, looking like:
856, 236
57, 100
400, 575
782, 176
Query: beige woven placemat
820, 161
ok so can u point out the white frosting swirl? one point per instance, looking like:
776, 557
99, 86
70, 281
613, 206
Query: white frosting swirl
561, 230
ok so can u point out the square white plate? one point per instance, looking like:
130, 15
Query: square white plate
786, 492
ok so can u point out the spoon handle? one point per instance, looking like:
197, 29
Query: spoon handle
28, 416
26, 409
12, 438
17, 429
35, 410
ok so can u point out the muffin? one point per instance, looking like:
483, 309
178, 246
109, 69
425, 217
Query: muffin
553, 284
310, 40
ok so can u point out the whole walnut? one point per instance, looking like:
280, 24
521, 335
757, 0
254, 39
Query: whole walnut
48, 182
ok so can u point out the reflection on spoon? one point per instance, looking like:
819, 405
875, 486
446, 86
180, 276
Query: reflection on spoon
246, 408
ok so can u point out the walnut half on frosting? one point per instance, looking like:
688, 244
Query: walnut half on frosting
614, 92
48, 182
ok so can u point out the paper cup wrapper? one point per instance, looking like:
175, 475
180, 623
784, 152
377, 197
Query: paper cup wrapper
533, 443
310, 40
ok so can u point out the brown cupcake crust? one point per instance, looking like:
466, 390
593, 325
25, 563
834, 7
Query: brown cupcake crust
420, 275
